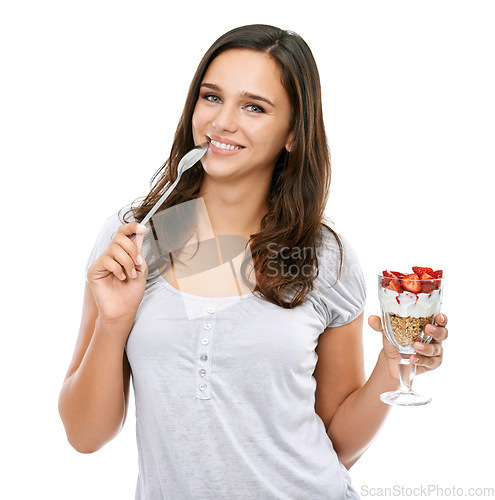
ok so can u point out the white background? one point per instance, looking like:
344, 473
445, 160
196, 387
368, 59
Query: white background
91, 93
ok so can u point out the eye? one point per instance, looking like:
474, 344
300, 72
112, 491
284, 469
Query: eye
254, 108
211, 98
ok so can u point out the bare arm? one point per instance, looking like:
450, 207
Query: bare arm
348, 404
94, 396
360, 417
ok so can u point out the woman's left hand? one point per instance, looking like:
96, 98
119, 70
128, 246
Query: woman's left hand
428, 357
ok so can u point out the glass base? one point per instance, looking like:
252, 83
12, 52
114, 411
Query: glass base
404, 398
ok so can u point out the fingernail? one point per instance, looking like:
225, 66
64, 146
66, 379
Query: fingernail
414, 359
133, 273
123, 276
141, 227
139, 260
419, 347
443, 319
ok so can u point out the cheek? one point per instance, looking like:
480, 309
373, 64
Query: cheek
271, 141
261, 135
201, 122
197, 132
194, 122
198, 118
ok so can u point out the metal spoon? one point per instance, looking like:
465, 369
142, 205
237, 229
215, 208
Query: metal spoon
188, 160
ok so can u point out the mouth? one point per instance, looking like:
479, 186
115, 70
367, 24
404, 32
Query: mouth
221, 144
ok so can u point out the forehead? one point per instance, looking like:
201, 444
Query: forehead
245, 70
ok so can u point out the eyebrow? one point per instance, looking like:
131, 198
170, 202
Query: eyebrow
249, 95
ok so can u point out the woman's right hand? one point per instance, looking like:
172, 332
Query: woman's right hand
118, 277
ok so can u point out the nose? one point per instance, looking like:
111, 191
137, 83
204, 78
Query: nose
225, 119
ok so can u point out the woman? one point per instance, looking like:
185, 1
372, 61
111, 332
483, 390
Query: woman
255, 395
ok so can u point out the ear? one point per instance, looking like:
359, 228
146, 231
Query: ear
288, 145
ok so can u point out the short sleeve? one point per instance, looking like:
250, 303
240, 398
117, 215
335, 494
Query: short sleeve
107, 232
342, 300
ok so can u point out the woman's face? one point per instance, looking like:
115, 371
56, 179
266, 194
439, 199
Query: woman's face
243, 112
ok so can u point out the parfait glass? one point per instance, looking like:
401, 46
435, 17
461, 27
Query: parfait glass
404, 317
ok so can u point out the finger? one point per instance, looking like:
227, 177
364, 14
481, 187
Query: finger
429, 350
124, 259
113, 267
438, 333
139, 242
425, 361
375, 322
129, 246
132, 228
441, 319
143, 268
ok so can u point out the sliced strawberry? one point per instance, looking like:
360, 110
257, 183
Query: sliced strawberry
394, 285
437, 274
386, 281
427, 287
411, 283
426, 276
389, 274
427, 283
420, 270
399, 275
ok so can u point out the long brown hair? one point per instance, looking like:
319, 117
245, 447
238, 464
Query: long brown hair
300, 183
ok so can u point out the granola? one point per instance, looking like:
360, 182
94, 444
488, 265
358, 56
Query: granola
408, 329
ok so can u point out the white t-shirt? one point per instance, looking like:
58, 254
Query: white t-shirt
225, 401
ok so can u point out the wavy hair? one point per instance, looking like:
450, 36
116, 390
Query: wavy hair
300, 184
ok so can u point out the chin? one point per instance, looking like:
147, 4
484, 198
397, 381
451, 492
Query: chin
217, 173
218, 166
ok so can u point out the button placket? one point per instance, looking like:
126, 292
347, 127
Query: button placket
204, 343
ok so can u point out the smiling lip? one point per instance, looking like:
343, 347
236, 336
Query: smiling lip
219, 145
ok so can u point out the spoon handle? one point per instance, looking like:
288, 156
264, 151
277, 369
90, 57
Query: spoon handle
159, 203
188, 160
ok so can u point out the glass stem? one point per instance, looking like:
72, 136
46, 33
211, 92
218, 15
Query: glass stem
407, 371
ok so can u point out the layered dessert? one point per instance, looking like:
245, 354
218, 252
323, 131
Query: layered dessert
409, 302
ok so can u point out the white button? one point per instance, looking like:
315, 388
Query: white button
202, 387
204, 357
210, 310
207, 326
205, 341
202, 372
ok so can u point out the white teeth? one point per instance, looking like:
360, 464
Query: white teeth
221, 145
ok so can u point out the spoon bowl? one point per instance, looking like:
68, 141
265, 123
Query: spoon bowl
188, 160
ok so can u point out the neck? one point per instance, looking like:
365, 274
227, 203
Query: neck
234, 209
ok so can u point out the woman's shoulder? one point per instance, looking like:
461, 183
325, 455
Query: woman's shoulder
340, 285
112, 222
110, 226
336, 255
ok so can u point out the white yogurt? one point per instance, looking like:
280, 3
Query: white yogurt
417, 305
